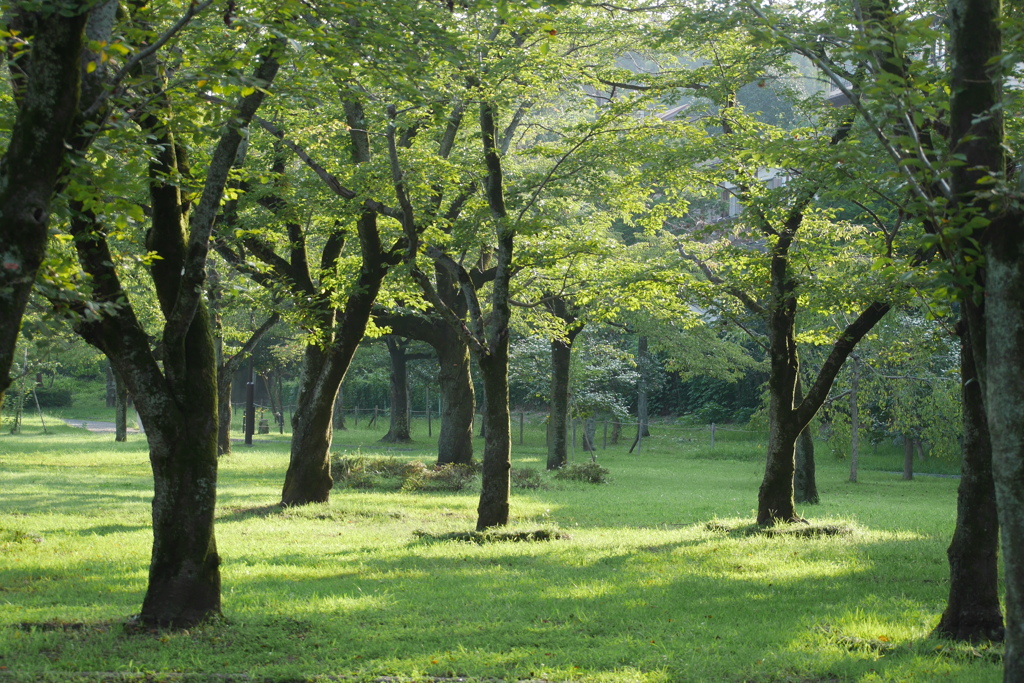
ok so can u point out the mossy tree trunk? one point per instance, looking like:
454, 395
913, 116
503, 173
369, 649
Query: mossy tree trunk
177, 398
308, 479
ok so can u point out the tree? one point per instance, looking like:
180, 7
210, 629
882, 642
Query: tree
174, 385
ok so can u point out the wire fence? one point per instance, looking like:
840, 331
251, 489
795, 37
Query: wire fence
528, 428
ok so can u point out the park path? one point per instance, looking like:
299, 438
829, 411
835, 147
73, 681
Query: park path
98, 426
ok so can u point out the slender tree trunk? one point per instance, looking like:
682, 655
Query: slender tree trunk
908, 458
854, 421
973, 612
223, 411
120, 410
805, 486
111, 387
616, 431
458, 404
493, 509
558, 416
398, 427
644, 362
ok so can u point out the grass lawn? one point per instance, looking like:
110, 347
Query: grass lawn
657, 579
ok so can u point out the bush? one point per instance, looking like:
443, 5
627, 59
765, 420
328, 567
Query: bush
589, 472
52, 398
526, 478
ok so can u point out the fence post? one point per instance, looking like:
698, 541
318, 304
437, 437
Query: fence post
712, 434
427, 403
574, 439
522, 419
639, 436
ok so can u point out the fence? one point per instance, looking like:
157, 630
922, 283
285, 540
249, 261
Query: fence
525, 426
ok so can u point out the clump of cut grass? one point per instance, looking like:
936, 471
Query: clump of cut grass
589, 472
526, 478
797, 530
450, 477
483, 537
385, 473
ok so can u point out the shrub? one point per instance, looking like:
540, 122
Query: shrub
589, 472
52, 398
526, 478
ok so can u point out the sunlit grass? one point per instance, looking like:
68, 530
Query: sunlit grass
643, 589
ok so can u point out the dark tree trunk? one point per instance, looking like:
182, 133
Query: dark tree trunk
805, 488
308, 479
454, 376
455, 441
805, 485
908, 457
558, 417
184, 574
398, 428
47, 88
223, 412
996, 323
973, 612
616, 431
643, 360
120, 409
493, 509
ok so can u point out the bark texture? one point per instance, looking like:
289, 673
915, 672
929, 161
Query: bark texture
805, 484
46, 88
972, 612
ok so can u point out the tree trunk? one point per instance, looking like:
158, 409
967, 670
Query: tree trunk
558, 415
308, 479
398, 425
458, 402
908, 457
854, 421
616, 431
805, 486
973, 612
47, 89
184, 574
997, 334
644, 363
493, 509
120, 410
223, 411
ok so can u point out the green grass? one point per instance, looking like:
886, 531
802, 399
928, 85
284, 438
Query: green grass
653, 577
